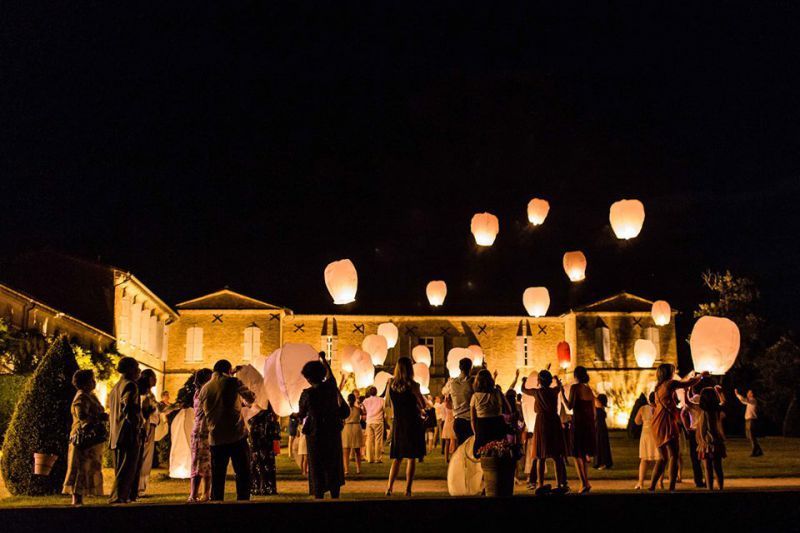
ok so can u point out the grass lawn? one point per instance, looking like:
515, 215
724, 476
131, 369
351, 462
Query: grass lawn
781, 459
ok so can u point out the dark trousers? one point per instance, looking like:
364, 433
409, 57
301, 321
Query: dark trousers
127, 461
237, 453
463, 430
697, 468
750, 431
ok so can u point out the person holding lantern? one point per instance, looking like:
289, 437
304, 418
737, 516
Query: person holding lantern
460, 391
665, 422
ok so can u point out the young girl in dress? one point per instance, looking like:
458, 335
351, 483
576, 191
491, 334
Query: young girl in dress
302, 450
448, 429
710, 437
648, 450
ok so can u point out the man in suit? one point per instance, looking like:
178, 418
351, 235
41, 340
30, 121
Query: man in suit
221, 400
126, 423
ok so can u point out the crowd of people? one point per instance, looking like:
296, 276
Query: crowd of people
329, 431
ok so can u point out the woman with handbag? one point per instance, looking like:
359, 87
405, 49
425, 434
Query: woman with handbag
86, 440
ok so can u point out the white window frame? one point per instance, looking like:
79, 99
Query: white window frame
194, 344
252, 345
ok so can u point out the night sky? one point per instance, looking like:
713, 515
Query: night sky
201, 147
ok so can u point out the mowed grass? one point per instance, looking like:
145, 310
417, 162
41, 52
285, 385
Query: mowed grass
781, 459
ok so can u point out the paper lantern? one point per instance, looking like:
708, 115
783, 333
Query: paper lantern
421, 354
283, 379
345, 357
714, 344
528, 403
422, 375
537, 211
645, 352
377, 348
254, 380
662, 313
575, 265
436, 291
363, 369
452, 369
536, 301
341, 279
389, 331
454, 356
564, 354
476, 354
381, 380
180, 452
485, 227
464, 472
627, 218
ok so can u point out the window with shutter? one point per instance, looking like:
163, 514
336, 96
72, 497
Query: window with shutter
328, 345
124, 333
153, 343
602, 344
651, 334
144, 330
136, 319
522, 351
252, 343
194, 344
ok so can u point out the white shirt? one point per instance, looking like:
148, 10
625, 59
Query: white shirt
374, 407
750, 408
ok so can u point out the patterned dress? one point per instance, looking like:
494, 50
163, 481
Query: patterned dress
85, 467
264, 431
201, 449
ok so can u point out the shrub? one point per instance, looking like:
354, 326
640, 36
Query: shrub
10, 387
41, 423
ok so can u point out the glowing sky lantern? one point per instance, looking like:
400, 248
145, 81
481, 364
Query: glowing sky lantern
180, 452
345, 357
537, 211
452, 369
528, 403
254, 380
421, 354
389, 331
422, 375
627, 218
436, 291
645, 352
381, 379
377, 348
662, 313
476, 353
575, 265
715, 344
341, 279
363, 369
454, 356
485, 227
536, 301
564, 354
283, 379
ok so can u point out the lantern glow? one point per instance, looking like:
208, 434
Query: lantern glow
341, 279
714, 344
422, 355
377, 348
536, 301
476, 354
645, 352
283, 379
575, 265
537, 211
389, 331
346, 354
564, 355
436, 292
422, 375
627, 218
381, 380
363, 369
661, 313
485, 227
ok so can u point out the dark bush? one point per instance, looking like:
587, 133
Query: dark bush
10, 388
41, 423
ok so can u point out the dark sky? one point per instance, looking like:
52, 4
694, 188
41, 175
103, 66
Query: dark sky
202, 147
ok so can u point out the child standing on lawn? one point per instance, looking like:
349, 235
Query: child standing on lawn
710, 437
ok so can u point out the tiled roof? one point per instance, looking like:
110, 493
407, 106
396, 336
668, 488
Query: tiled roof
225, 299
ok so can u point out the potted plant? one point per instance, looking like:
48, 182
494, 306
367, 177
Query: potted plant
499, 463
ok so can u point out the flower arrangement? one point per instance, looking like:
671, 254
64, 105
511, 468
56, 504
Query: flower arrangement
501, 449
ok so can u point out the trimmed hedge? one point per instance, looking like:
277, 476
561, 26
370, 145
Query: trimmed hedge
41, 423
10, 388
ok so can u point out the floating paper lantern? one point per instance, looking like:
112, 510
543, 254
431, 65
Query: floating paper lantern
484, 227
454, 356
381, 380
715, 344
363, 369
345, 356
528, 403
645, 352
283, 379
575, 265
476, 353
452, 369
422, 375
536, 301
627, 218
537, 211
422, 355
254, 380
662, 313
436, 291
180, 452
389, 331
377, 348
341, 279
564, 354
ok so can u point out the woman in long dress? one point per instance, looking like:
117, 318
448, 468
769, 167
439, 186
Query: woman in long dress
324, 410
265, 431
408, 431
352, 435
201, 449
85, 466
584, 429
665, 423
548, 434
648, 450
602, 456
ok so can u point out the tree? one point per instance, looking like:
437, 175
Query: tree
780, 372
41, 424
20, 351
